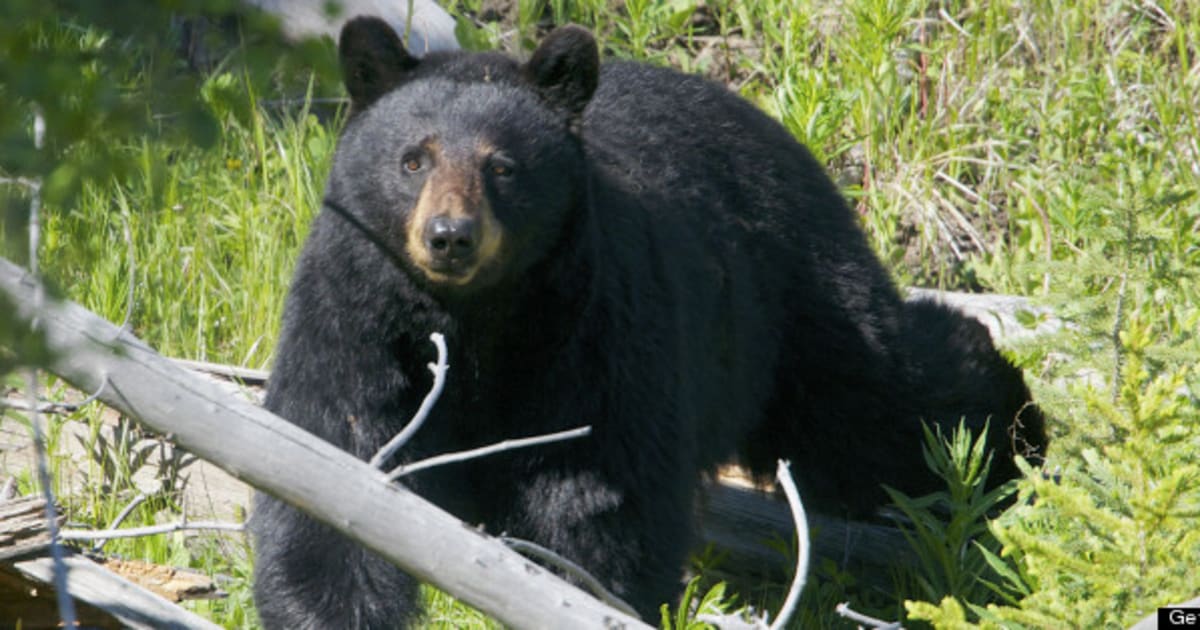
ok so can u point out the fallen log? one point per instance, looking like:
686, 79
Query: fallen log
110, 601
23, 527
104, 598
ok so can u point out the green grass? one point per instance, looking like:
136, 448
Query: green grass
1044, 149
215, 235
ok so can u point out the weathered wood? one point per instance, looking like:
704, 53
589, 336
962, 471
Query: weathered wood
245, 376
315, 476
1000, 313
30, 605
23, 527
120, 594
170, 583
131, 605
748, 525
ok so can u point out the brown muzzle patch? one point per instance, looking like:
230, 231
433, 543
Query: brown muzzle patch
452, 233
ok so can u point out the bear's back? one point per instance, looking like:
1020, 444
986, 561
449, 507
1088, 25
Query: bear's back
683, 135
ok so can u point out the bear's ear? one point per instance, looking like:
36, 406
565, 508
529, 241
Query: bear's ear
565, 69
373, 60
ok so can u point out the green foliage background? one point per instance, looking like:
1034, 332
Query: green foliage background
1043, 149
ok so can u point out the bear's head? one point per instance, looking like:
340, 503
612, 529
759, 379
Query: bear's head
466, 166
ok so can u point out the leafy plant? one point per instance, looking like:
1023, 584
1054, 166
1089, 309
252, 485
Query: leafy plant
1112, 534
695, 604
948, 529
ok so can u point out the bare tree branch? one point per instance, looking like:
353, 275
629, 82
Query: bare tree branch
149, 530
844, 610
50, 406
783, 475
246, 376
484, 451
104, 535
31, 184
589, 582
116, 522
66, 606
414, 425
733, 622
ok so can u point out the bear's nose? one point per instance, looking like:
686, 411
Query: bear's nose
451, 239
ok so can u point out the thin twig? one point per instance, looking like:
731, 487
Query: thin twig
783, 475
133, 532
573, 570
40, 407
732, 621
66, 605
116, 522
954, 23
31, 184
484, 451
52, 407
149, 530
410, 429
245, 376
844, 610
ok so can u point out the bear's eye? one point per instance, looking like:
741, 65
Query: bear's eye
500, 166
412, 163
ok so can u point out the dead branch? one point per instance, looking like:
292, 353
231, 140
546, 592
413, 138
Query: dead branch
23, 527
132, 605
50, 406
414, 425
844, 610
784, 475
245, 376
66, 607
484, 451
121, 516
547, 556
149, 530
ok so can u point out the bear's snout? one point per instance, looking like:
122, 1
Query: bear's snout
451, 241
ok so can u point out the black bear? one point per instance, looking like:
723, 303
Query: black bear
612, 245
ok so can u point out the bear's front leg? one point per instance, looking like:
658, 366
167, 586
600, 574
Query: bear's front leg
632, 541
310, 577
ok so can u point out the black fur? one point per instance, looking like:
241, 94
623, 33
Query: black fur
565, 69
373, 61
681, 275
